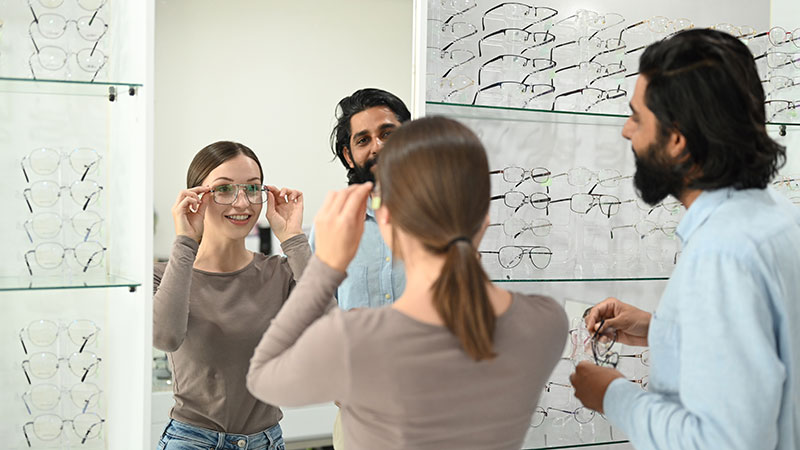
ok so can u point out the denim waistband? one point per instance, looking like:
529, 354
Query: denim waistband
219, 440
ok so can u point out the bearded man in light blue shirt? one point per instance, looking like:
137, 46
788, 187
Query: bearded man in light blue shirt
724, 346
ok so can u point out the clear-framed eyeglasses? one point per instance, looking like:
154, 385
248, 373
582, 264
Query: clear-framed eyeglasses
739, 31
647, 227
581, 414
777, 60
50, 255
43, 333
782, 108
551, 384
46, 193
44, 365
88, 5
517, 37
779, 82
227, 194
643, 356
52, 58
537, 419
45, 161
592, 97
47, 396
48, 427
452, 32
510, 256
450, 59
581, 176
457, 7
643, 382
48, 225
778, 36
513, 227
53, 26
520, 12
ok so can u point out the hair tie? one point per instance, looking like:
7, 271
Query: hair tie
460, 238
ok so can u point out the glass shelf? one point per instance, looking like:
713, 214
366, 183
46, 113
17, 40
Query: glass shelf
64, 87
581, 445
579, 280
66, 282
457, 110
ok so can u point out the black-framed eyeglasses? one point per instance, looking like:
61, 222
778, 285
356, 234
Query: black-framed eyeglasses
578, 203
516, 174
540, 13
510, 256
602, 343
460, 7
520, 63
227, 194
530, 39
643, 356
773, 108
592, 96
521, 93
661, 25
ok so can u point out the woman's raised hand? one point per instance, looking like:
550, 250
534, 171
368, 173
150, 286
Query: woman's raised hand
285, 212
340, 224
189, 211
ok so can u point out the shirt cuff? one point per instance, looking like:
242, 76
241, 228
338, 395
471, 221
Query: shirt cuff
294, 242
618, 403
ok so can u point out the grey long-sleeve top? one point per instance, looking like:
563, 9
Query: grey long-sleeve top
402, 383
209, 323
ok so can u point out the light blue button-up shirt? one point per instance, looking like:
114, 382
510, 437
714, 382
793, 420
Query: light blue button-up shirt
374, 278
725, 339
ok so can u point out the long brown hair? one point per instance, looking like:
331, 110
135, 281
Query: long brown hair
434, 180
212, 155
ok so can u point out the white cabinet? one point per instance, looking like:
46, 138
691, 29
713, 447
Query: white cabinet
77, 233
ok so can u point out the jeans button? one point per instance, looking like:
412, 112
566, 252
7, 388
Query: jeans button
241, 443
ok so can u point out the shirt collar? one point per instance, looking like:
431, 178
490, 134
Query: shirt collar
700, 210
370, 211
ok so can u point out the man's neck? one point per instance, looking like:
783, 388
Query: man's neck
689, 196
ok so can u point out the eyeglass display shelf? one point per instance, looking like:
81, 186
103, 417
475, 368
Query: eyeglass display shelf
577, 280
465, 111
25, 283
579, 445
64, 87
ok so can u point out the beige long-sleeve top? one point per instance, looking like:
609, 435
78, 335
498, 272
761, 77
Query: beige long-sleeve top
405, 384
209, 323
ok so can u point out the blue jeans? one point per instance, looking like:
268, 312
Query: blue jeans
182, 436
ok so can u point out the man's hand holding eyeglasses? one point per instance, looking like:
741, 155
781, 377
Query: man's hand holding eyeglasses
590, 383
631, 323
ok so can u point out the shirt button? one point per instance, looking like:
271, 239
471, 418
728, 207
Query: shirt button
388, 259
241, 443
388, 296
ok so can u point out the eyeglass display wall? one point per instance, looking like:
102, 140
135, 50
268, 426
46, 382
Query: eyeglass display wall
76, 178
546, 87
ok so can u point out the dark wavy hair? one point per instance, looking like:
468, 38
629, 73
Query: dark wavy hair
704, 84
361, 100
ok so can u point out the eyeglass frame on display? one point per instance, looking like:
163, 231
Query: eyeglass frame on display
548, 38
668, 228
86, 403
450, 52
86, 266
59, 327
61, 157
63, 421
58, 360
526, 175
66, 58
524, 250
31, 231
526, 226
549, 90
95, 193
551, 64
535, 12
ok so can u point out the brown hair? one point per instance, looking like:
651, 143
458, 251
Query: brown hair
211, 156
434, 180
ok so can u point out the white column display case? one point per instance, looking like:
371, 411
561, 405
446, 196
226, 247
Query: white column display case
76, 139
546, 87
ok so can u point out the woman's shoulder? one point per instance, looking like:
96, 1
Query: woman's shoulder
539, 308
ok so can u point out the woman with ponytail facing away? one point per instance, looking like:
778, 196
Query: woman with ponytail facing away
455, 362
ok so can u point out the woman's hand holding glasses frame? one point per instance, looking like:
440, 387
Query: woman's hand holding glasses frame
46, 193
46, 396
48, 427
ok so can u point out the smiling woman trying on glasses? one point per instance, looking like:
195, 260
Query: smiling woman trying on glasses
214, 298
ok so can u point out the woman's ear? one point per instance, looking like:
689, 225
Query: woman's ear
382, 216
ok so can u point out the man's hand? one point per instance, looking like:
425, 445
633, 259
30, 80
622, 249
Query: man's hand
340, 224
590, 383
631, 323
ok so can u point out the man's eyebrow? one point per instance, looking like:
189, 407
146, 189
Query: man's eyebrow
359, 134
387, 125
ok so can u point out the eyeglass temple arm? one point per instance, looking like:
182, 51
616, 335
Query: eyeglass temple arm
641, 22
24, 172
458, 13
25, 371
27, 263
25, 432
88, 369
22, 341
89, 431
89, 263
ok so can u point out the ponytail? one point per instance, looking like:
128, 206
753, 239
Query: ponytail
461, 299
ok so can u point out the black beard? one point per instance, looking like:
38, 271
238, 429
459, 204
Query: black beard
361, 174
655, 177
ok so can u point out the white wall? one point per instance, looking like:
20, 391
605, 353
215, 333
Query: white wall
785, 13
268, 74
